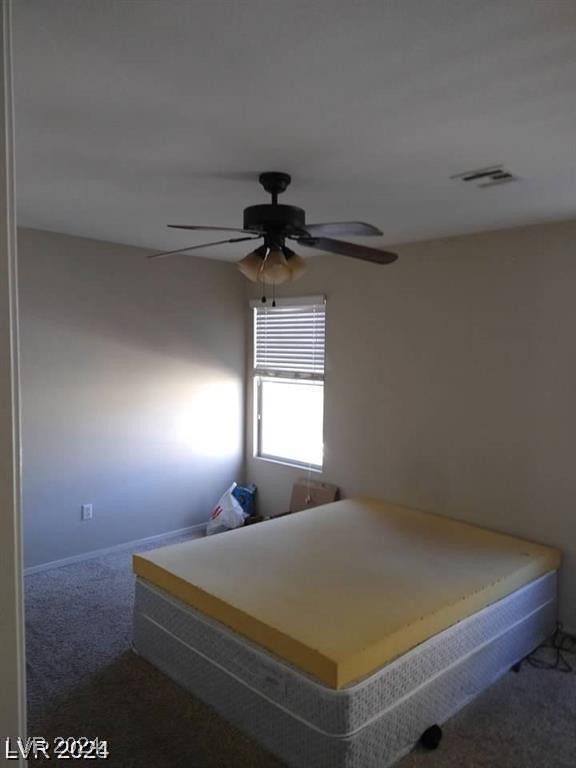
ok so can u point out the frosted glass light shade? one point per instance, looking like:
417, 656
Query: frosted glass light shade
251, 265
297, 265
275, 269
272, 266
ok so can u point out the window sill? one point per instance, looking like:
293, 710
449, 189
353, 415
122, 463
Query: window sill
291, 464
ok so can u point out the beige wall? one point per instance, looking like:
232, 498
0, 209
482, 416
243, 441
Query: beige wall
451, 383
132, 391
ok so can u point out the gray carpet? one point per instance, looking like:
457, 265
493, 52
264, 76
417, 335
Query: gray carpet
84, 680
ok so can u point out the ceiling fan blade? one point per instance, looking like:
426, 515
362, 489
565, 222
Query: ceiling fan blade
208, 229
327, 229
202, 245
349, 249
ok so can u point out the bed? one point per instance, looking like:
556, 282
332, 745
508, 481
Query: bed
336, 636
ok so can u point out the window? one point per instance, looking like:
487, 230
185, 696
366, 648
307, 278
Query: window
289, 381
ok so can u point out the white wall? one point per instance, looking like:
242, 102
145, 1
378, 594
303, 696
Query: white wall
451, 383
132, 391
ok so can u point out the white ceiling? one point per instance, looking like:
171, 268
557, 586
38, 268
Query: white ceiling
132, 114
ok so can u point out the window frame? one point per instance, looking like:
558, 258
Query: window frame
258, 452
300, 377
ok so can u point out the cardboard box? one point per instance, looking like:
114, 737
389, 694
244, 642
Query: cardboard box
312, 493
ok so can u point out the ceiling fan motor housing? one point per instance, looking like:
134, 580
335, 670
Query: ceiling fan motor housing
283, 220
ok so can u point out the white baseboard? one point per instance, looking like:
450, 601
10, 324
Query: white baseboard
199, 528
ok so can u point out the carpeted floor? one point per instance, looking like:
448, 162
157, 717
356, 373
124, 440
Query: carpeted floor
83, 680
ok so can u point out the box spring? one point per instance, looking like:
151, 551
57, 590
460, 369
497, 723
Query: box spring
368, 724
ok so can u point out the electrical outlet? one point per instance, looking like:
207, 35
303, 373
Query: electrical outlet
86, 512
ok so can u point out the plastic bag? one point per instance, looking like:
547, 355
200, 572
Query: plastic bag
227, 514
246, 495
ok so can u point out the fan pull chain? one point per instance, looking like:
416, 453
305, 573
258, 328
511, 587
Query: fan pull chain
261, 273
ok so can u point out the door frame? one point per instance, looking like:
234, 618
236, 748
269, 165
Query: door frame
12, 648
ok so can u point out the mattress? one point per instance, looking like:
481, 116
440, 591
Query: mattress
342, 590
366, 725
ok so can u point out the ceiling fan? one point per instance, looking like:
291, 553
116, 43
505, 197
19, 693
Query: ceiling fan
273, 262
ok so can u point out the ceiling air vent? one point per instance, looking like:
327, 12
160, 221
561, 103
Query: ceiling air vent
486, 177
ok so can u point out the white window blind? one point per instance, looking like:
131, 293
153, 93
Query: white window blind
289, 340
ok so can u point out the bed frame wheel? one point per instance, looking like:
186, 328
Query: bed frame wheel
431, 737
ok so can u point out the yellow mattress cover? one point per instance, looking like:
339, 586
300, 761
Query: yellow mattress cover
341, 590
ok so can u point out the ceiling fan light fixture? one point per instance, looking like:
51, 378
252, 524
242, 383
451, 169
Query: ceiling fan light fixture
275, 269
272, 265
251, 265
